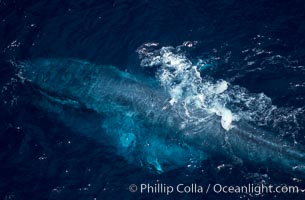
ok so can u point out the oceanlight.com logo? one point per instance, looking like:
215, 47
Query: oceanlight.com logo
254, 189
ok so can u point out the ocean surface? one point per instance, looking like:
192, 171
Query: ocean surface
251, 51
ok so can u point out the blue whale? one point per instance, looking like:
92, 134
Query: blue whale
141, 123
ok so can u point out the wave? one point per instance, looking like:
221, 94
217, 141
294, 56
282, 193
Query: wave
186, 82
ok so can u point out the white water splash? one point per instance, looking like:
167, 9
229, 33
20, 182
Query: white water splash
183, 82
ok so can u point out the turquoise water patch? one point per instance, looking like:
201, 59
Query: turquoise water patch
146, 146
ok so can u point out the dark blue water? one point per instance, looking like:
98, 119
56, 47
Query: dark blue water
257, 45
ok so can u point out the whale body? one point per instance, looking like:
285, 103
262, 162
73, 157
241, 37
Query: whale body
145, 126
